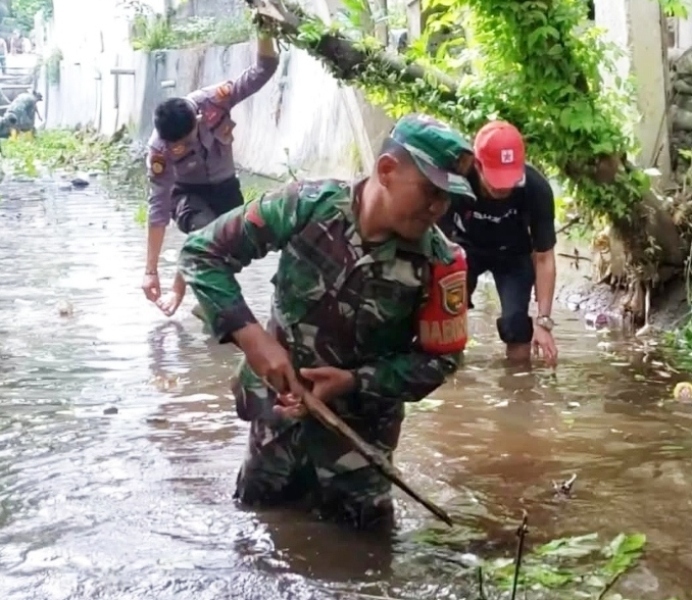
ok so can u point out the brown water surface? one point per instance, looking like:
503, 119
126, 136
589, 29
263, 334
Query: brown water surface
139, 504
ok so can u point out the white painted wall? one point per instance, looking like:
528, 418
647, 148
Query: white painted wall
320, 124
635, 25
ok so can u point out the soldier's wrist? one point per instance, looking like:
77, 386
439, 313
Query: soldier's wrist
151, 271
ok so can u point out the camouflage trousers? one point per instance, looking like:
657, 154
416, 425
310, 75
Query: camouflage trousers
307, 461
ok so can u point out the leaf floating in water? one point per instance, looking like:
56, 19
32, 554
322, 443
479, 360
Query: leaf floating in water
574, 547
425, 405
577, 565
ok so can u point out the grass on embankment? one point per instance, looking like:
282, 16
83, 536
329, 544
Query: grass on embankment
69, 152
65, 150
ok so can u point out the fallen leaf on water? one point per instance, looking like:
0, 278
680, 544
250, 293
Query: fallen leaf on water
426, 404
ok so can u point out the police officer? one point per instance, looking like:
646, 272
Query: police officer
507, 227
190, 164
358, 280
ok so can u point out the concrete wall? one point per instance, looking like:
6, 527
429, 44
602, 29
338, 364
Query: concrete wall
210, 8
302, 113
638, 27
682, 110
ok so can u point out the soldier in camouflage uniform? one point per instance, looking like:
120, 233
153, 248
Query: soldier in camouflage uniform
353, 272
23, 107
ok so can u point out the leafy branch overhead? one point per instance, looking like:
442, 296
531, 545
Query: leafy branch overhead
533, 63
536, 63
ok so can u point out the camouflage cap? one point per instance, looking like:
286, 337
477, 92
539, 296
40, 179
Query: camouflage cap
436, 149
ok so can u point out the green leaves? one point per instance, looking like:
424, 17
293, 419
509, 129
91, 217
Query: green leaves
578, 566
536, 63
676, 8
623, 552
24, 11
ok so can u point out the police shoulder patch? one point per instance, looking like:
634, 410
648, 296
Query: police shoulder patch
453, 292
158, 164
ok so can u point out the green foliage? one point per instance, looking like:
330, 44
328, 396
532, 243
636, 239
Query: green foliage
562, 569
24, 11
535, 63
52, 64
151, 32
676, 8
62, 149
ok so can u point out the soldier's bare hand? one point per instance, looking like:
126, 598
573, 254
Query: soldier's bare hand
151, 287
290, 406
268, 359
329, 382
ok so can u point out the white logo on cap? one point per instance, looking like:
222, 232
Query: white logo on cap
507, 156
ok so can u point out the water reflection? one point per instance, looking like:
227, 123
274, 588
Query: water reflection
138, 504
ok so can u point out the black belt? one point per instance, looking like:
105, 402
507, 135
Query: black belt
226, 187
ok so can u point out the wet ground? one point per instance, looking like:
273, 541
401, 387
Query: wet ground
138, 504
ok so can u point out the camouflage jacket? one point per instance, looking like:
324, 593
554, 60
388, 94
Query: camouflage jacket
337, 302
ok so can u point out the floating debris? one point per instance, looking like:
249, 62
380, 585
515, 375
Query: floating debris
683, 391
65, 308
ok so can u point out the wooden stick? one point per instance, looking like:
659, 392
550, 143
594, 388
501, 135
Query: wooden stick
320, 411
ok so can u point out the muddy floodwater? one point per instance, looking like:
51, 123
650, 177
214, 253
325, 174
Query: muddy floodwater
138, 503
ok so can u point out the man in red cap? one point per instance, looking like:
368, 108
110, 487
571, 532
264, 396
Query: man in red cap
509, 230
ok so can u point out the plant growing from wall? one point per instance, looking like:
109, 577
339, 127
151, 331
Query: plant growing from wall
538, 64
52, 64
152, 31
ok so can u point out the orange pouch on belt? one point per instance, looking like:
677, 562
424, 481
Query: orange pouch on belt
442, 321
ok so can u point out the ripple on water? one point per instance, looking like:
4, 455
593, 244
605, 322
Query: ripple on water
138, 504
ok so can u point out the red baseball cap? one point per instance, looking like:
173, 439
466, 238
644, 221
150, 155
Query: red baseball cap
499, 148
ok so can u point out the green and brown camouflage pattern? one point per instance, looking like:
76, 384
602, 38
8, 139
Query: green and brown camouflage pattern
337, 302
436, 149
